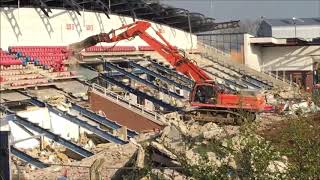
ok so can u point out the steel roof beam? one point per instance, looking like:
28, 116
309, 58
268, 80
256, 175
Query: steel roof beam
126, 10
218, 26
180, 22
118, 4
43, 6
145, 14
149, 10
166, 17
105, 9
74, 5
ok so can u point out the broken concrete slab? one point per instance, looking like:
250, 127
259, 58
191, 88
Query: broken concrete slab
163, 150
115, 157
140, 158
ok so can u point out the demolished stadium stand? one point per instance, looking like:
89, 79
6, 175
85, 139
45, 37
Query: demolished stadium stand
113, 92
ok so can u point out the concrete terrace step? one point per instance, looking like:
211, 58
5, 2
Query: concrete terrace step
239, 72
222, 58
143, 81
165, 105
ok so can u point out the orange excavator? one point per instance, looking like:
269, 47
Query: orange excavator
208, 101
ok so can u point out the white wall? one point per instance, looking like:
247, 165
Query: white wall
18, 133
279, 58
57, 124
305, 32
289, 58
34, 28
252, 54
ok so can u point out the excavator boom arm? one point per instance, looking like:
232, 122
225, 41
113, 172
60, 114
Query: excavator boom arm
166, 50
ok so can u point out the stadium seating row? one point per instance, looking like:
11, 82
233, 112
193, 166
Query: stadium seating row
53, 56
12, 67
7, 62
118, 48
5, 55
63, 49
29, 82
111, 49
21, 77
145, 48
7, 58
46, 49
41, 54
47, 56
18, 72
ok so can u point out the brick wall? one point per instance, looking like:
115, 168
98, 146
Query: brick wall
120, 114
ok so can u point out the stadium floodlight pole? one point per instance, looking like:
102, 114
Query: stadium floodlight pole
190, 31
294, 19
295, 27
19, 9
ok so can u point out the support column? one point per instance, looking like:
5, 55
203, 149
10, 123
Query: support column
5, 170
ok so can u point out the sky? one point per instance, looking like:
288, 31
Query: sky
223, 10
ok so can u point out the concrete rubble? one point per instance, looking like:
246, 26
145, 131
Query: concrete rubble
172, 145
291, 101
179, 142
114, 157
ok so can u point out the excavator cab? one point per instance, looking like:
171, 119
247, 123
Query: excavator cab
205, 93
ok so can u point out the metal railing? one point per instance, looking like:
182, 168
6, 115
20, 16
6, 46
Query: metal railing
208, 50
279, 78
120, 100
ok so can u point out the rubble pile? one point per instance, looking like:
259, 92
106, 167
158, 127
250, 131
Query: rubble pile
53, 153
191, 144
175, 152
55, 100
111, 159
291, 101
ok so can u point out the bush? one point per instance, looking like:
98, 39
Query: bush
245, 156
300, 142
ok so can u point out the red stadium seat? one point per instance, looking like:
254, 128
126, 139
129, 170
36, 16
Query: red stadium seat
110, 49
145, 48
47, 55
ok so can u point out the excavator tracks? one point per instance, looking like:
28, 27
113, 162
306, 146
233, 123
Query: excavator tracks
220, 116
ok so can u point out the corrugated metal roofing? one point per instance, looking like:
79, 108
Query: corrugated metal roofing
290, 22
